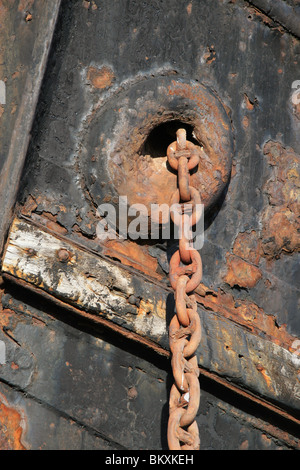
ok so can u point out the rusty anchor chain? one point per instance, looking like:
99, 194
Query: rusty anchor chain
185, 327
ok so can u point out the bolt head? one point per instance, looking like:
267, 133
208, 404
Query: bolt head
63, 255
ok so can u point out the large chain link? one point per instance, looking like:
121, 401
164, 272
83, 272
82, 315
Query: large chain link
185, 326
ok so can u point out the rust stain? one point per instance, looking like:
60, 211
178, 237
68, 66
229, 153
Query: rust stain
265, 374
247, 246
132, 254
267, 440
45, 218
245, 122
241, 273
189, 8
89, 5
249, 104
8, 319
258, 423
280, 232
100, 78
28, 17
210, 55
56, 227
280, 219
132, 393
11, 427
198, 96
29, 206
246, 313
148, 307
244, 445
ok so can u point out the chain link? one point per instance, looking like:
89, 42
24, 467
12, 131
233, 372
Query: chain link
185, 327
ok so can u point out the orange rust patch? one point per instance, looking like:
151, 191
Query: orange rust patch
147, 307
7, 318
247, 246
267, 440
189, 8
45, 218
131, 254
245, 122
248, 103
245, 313
241, 273
29, 206
210, 55
280, 220
191, 92
100, 78
10, 428
244, 445
280, 232
265, 374
28, 16
55, 227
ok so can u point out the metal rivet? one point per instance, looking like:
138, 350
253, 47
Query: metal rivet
63, 255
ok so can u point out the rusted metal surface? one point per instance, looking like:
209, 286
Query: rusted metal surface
57, 420
280, 219
12, 425
106, 290
250, 287
279, 234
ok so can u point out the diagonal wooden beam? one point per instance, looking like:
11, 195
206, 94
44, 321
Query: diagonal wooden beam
109, 292
17, 131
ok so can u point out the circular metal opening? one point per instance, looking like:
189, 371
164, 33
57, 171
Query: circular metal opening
163, 135
124, 151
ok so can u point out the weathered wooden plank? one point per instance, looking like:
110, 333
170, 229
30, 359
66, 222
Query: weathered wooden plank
26, 44
88, 282
127, 299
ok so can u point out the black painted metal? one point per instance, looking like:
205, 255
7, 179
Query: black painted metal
92, 388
